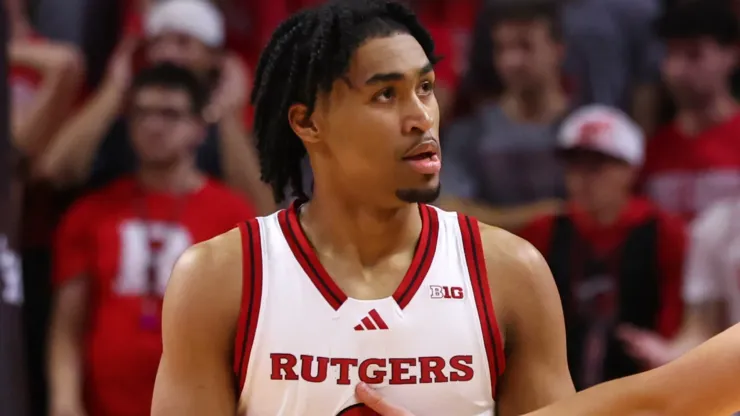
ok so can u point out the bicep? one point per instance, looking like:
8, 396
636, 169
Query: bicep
198, 320
537, 369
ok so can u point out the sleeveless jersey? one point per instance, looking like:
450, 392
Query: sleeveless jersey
302, 345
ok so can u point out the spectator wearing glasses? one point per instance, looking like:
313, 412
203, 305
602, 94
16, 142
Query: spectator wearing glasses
116, 247
92, 148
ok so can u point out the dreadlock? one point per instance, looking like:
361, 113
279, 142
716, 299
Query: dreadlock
305, 55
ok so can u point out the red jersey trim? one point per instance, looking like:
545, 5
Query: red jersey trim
306, 256
474, 258
423, 256
304, 253
251, 298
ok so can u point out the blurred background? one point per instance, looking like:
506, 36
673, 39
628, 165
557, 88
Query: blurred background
605, 132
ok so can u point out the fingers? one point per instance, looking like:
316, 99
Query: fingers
645, 346
375, 401
633, 335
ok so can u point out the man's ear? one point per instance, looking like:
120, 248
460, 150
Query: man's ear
302, 124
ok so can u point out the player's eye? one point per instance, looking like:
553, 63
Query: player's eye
426, 88
385, 95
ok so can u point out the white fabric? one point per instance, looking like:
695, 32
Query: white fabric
712, 271
197, 18
295, 319
605, 130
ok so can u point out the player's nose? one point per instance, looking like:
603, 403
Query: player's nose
419, 118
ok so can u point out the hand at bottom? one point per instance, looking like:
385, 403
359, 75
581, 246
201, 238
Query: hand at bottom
373, 400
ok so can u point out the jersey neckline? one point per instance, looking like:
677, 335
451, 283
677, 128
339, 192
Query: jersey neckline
309, 261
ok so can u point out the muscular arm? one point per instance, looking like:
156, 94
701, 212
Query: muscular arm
201, 309
529, 311
703, 382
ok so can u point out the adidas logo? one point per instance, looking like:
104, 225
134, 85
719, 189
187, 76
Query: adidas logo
371, 322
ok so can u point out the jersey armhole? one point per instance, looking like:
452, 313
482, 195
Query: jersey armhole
475, 260
251, 299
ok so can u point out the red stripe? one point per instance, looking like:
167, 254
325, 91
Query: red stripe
475, 260
423, 257
304, 253
251, 298
378, 320
368, 323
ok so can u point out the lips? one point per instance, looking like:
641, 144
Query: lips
423, 150
424, 158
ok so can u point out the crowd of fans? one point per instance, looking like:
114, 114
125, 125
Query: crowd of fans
605, 132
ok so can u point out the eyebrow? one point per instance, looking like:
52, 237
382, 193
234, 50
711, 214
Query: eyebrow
396, 76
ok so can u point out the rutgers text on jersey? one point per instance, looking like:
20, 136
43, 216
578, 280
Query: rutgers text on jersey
303, 345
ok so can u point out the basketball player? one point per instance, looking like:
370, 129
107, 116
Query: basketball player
703, 382
363, 281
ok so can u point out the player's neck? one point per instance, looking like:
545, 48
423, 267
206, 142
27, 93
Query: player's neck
178, 178
692, 121
359, 231
542, 105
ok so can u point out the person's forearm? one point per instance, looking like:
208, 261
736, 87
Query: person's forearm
65, 368
703, 382
241, 164
70, 154
61, 68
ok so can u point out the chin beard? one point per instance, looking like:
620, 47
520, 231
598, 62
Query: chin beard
419, 196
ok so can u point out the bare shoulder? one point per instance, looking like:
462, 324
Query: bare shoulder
520, 280
511, 254
207, 278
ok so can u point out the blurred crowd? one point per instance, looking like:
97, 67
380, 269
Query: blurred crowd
605, 132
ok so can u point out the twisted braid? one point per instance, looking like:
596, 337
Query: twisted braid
305, 55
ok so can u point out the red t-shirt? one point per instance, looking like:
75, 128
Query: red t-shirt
685, 175
104, 237
604, 239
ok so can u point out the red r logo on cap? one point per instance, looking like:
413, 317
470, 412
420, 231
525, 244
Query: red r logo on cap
590, 132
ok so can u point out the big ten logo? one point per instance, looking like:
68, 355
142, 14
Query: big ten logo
446, 292
148, 253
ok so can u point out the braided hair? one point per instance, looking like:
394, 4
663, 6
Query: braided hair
305, 55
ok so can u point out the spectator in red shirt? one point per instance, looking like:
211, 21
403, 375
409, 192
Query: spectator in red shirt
116, 247
616, 259
695, 160
92, 147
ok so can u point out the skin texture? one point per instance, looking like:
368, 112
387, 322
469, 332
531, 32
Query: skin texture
364, 233
702, 382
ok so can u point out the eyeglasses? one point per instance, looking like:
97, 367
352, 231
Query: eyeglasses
168, 115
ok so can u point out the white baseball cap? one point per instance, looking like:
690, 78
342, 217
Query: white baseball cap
605, 130
198, 18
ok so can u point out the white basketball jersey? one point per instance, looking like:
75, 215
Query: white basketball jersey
302, 345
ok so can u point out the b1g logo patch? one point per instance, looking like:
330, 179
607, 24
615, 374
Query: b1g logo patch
358, 409
446, 292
